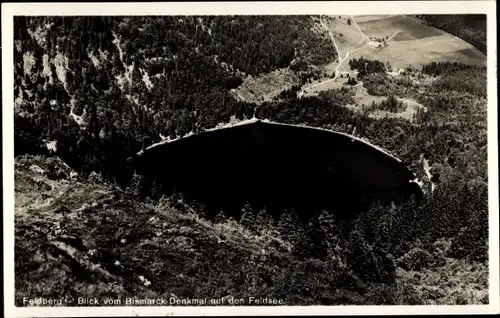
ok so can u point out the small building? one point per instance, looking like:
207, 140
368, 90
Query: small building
376, 45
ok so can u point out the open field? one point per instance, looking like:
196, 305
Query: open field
406, 43
412, 43
366, 18
347, 36
418, 52
410, 28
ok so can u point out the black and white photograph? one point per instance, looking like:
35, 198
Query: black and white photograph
249, 157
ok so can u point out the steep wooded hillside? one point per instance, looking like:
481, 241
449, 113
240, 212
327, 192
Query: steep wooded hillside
83, 237
92, 84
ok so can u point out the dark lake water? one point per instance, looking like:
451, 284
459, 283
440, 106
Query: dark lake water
277, 166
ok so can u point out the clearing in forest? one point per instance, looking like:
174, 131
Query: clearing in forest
410, 111
266, 87
364, 101
332, 83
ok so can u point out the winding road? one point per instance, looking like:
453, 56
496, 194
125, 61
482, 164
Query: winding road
363, 36
347, 54
341, 60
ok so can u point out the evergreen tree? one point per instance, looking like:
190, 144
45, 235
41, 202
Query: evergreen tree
135, 184
220, 217
313, 242
289, 226
263, 220
155, 189
388, 66
329, 228
247, 217
136, 73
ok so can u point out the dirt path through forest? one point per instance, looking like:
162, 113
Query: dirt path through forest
341, 60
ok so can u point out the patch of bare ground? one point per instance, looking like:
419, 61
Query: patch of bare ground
266, 87
324, 84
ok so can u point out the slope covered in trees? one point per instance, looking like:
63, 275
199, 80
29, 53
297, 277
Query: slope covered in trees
100, 83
